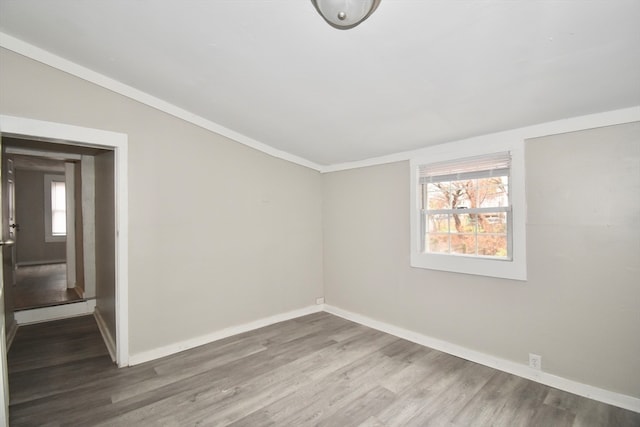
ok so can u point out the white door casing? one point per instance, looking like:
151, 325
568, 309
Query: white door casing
88, 137
4, 390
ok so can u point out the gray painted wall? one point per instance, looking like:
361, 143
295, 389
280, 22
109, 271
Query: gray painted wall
579, 308
219, 234
105, 243
31, 247
88, 213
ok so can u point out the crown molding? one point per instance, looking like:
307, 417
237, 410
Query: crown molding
609, 118
573, 124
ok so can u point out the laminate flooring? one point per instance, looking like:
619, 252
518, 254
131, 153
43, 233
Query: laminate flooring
316, 370
42, 286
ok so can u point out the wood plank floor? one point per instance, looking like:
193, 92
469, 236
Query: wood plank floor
42, 286
317, 370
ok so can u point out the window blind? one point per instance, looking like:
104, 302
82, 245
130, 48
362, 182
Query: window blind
487, 166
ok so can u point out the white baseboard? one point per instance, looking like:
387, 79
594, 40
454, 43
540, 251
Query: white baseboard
109, 342
521, 370
167, 350
45, 314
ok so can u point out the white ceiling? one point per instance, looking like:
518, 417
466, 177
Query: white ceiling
416, 73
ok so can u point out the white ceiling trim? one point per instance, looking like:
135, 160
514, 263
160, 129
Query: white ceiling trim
37, 54
590, 121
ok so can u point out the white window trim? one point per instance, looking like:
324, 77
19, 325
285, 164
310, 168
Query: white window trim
516, 268
48, 236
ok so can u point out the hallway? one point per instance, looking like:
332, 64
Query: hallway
48, 359
42, 286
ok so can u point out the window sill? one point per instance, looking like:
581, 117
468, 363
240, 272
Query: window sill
501, 268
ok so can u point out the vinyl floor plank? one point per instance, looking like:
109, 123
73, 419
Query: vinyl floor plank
438, 372
444, 403
87, 402
249, 381
372, 421
331, 392
588, 412
546, 415
59, 342
314, 370
326, 370
360, 408
306, 375
489, 403
47, 381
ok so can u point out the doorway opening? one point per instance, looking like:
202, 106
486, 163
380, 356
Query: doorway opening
109, 151
51, 208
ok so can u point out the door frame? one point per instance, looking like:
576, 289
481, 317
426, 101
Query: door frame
58, 133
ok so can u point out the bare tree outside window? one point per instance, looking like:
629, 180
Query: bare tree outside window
459, 232
465, 208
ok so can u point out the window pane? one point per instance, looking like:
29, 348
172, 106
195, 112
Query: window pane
492, 245
438, 243
492, 192
438, 223
58, 200
458, 232
461, 194
492, 222
463, 223
438, 196
463, 244
58, 209
58, 223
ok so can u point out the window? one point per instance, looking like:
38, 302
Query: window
58, 209
55, 208
467, 211
464, 207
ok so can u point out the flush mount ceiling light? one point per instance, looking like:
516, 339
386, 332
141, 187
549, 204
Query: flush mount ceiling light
345, 14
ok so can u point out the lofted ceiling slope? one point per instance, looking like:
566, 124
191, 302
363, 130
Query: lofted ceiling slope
416, 73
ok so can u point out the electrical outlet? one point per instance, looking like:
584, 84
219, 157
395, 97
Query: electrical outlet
319, 301
535, 361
